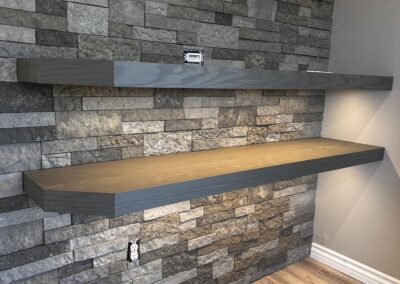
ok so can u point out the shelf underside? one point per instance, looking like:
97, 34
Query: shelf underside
120, 187
154, 75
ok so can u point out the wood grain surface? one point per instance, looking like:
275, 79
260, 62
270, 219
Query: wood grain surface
142, 183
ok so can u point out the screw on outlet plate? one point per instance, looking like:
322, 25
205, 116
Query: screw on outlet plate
133, 250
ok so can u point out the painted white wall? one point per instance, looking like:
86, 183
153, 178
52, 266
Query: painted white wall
358, 209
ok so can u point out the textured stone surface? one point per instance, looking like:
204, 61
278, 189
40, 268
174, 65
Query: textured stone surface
167, 143
223, 266
142, 127
104, 103
46, 37
99, 47
182, 125
55, 222
21, 236
175, 264
10, 185
129, 12
69, 145
150, 214
8, 71
83, 124
87, 19
121, 30
34, 268
152, 114
19, 157
15, 120
96, 156
17, 34
217, 36
27, 5
25, 98
23, 216
56, 160
52, 7
238, 116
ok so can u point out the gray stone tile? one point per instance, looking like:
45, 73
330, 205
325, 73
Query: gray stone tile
22, 50
10, 185
232, 64
239, 8
311, 51
35, 268
142, 127
23, 216
19, 157
259, 35
96, 156
152, 114
185, 124
322, 10
27, 134
192, 113
161, 22
217, 36
27, 5
126, 219
52, 7
289, 105
262, 9
243, 22
167, 143
239, 116
115, 103
156, 8
141, 33
168, 98
120, 141
8, 71
32, 20
145, 269
98, 47
102, 3
87, 19
77, 124
56, 160
207, 144
260, 46
69, 145
17, 34
187, 38
223, 267
17, 97
32, 254
129, 12
58, 221
248, 97
190, 14
70, 232
159, 48
75, 268
154, 213
100, 249
176, 264
21, 236
108, 235
33, 119
46, 37
13, 203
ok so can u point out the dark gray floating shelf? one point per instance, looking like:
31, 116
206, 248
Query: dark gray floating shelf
154, 75
120, 187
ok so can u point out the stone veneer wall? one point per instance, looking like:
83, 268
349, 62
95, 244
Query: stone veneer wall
237, 236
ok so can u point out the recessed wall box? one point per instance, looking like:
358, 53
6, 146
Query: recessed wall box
193, 56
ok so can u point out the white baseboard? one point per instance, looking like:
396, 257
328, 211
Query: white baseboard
350, 267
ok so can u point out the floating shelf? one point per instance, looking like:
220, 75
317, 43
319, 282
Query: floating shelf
153, 75
120, 187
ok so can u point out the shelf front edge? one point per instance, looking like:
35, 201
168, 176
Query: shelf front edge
107, 204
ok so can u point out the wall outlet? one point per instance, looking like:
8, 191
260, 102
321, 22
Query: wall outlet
133, 250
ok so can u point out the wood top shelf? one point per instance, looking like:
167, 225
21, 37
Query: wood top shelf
155, 75
119, 187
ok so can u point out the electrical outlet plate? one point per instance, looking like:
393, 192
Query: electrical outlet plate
193, 56
133, 250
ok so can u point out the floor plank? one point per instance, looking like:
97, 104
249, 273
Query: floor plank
308, 271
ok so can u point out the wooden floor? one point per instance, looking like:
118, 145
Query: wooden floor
308, 271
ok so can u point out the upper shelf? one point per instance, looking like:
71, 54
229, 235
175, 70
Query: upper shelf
120, 187
154, 75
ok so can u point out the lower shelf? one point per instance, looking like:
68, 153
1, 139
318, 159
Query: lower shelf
120, 187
